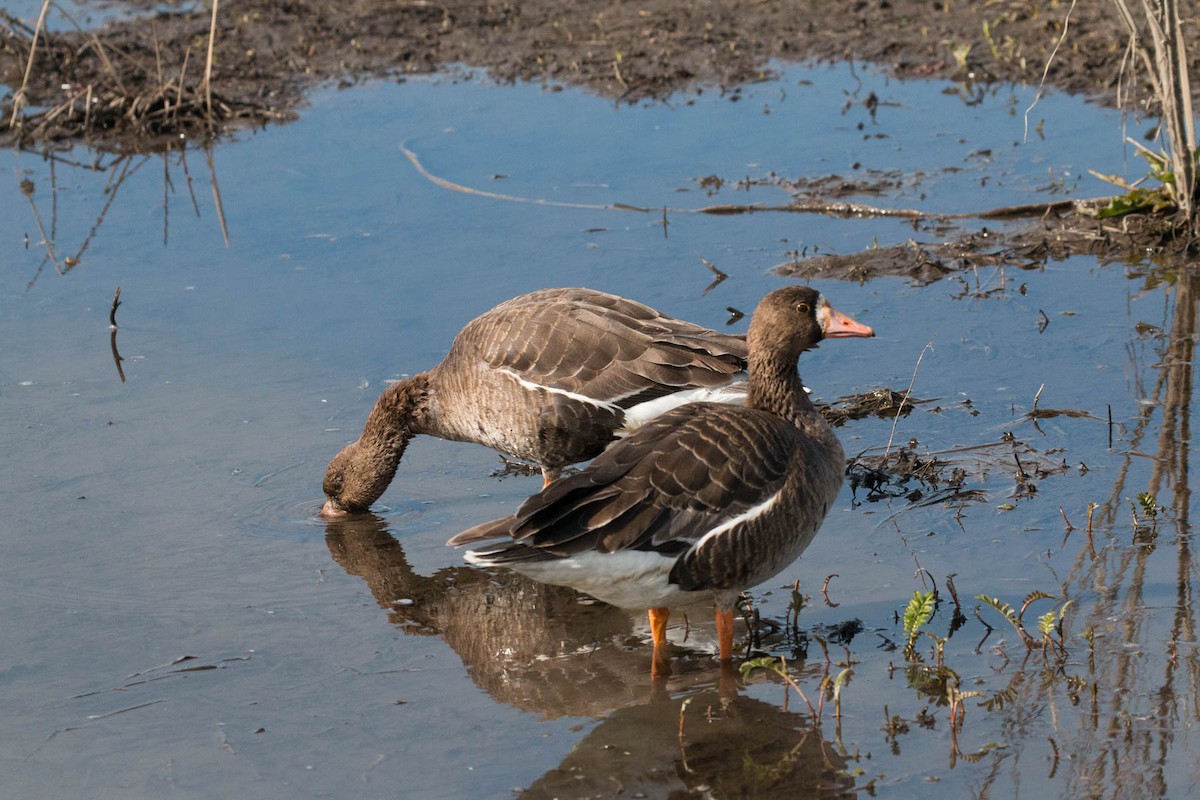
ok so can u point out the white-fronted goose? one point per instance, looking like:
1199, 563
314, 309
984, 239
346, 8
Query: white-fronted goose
549, 377
704, 500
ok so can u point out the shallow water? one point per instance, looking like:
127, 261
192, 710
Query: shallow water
177, 622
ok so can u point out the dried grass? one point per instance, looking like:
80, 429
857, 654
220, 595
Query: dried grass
99, 90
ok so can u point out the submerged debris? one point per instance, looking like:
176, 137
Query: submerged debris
882, 403
925, 479
514, 466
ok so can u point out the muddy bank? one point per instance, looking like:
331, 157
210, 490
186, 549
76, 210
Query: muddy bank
1001, 252
142, 80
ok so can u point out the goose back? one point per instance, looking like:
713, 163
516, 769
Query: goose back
549, 376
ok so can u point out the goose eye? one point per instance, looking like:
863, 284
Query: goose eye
803, 308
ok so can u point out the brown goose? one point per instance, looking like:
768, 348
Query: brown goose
550, 377
704, 500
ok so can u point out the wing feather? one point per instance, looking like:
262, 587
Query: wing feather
601, 346
662, 488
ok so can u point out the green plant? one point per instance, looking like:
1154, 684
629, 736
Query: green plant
916, 615
1050, 625
1148, 504
834, 687
1141, 199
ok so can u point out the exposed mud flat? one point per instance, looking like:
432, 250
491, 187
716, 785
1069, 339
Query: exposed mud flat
145, 77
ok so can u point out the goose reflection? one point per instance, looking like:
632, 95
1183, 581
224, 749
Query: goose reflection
700, 743
537, 647
547, 650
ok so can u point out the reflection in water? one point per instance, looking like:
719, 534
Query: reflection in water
117, 169
541, 649
112, 339
700, 746
532, 646
1129, 733
1134, 676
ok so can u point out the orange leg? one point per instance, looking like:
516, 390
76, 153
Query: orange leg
725, 633
727, 684
660, 667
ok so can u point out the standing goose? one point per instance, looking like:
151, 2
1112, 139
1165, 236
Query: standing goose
550, 377
705, 500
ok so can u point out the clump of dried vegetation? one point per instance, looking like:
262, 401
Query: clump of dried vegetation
1158, 43
120, 87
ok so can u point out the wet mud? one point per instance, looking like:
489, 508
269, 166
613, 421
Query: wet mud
147, 77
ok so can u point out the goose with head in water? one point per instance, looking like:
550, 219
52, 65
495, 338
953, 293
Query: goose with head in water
550, 377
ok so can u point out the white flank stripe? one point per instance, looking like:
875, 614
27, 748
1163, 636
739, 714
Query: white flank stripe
748, 514
582, 398
642, 413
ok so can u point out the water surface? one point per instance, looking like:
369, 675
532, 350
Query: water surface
178, 623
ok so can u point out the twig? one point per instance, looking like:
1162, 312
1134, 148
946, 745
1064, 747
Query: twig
166, 196
907, 392
1091, 545
216, 190
190, 187
1046, 68
16, 23
455, 187
111, 190
123, 710
109, 65
787, 677
720, 275
682, 708
825, 591
19, 97
116, 354
617, 71
212, 35
27, 188
187, 54
112, 339
839, 209
1070, 527
112, 312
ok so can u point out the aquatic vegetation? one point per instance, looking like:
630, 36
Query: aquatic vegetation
1164, 198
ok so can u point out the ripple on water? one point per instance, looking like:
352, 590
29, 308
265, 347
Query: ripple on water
179, 573
299, 518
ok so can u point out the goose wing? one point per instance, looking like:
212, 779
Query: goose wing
602, 348
685, 477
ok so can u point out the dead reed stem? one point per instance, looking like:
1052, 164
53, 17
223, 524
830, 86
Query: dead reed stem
907, 392
216, 190
1165, 60
208, 62
1046, 68
836, 209
112, 312
19, 98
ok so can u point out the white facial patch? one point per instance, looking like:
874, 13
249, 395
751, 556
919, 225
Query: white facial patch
822, 311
